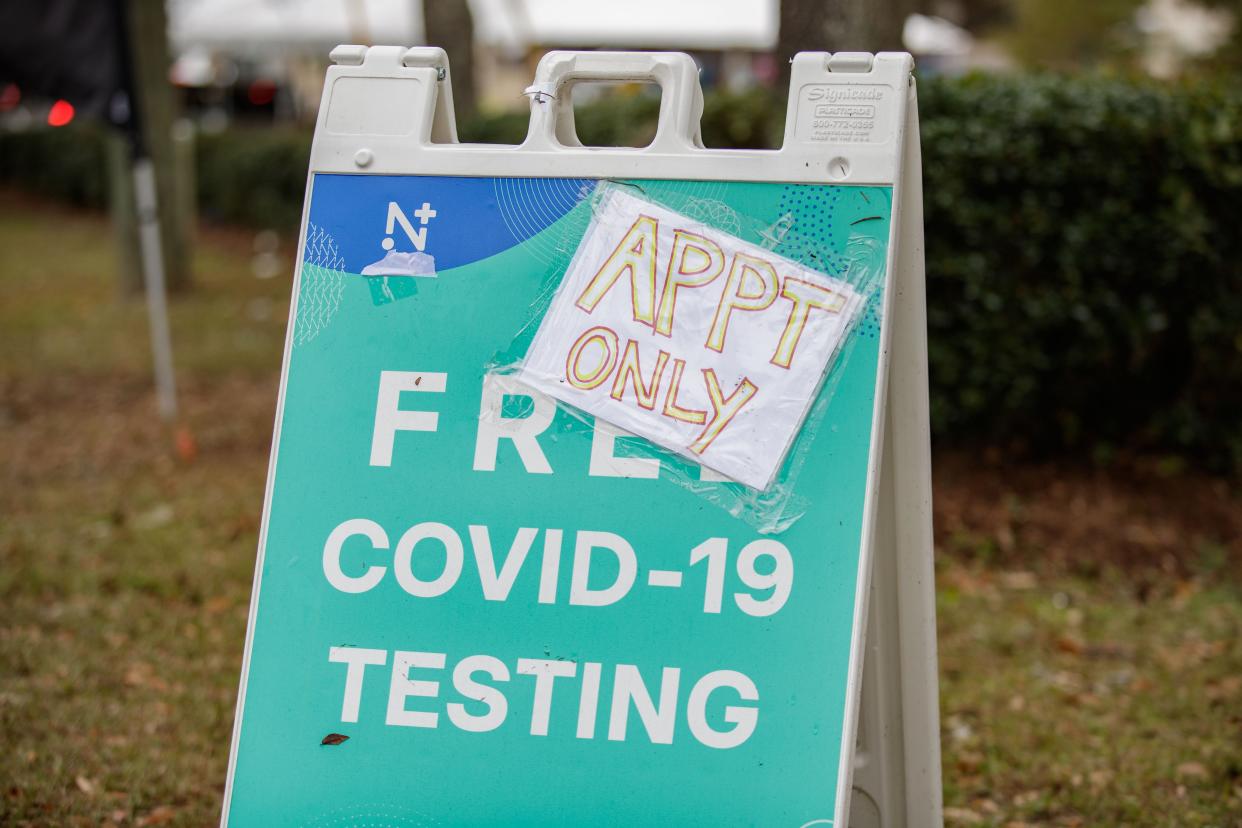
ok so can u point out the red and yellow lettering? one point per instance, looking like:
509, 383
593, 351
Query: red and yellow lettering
695, 261
724, 409
634, 255
739, 295
671, 408
804, 296
630, 369
593, 377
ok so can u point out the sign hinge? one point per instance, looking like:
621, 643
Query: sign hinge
852, 62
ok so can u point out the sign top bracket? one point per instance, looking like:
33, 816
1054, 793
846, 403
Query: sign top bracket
389, 110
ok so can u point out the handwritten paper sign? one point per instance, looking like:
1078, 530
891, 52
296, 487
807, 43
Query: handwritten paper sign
690, 337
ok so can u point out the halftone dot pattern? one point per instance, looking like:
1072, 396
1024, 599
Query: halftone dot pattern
809, 235
323, 285
814, 237
869, 324
867, 257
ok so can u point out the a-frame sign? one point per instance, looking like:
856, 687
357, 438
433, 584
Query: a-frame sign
480, 597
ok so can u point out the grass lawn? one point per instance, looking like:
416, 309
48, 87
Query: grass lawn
1090, 621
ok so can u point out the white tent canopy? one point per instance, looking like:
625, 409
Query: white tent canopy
262, 27
687, 24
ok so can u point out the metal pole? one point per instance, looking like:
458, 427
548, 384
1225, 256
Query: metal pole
153, 279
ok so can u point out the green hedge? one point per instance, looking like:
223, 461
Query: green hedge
1084, 246
68, 164
253, 176
1085, 263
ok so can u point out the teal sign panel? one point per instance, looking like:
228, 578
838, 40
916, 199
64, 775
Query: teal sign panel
462, 617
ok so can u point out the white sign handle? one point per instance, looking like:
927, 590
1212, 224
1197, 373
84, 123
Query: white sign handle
681, 97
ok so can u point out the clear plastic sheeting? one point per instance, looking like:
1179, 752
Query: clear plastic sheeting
713, 335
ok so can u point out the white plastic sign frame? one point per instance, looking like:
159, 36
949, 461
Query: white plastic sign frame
388, 110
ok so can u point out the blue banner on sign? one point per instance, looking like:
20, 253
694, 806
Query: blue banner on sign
454, 220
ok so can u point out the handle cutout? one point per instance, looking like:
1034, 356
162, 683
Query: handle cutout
629, 117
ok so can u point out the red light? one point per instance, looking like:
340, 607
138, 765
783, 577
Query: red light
10, 96
60, 114
261, 92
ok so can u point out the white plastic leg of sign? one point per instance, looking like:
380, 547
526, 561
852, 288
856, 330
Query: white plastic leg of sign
444, 119
386, 91
897, 764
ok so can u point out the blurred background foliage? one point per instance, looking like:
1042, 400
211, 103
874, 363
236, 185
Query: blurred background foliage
1083, 250
1071, 34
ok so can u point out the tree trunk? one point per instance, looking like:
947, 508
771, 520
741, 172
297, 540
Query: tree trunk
448, 24
803, 28
882, 24
840, 26
147, 23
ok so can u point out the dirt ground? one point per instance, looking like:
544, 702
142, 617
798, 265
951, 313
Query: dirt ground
1089, 618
